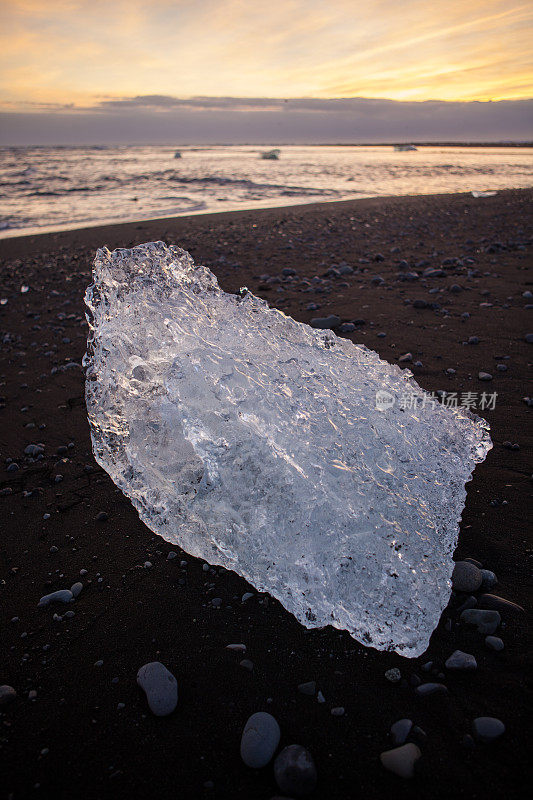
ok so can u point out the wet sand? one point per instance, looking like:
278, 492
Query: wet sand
73, 739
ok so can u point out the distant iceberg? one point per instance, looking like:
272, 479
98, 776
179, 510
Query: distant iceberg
271, 155
403, 148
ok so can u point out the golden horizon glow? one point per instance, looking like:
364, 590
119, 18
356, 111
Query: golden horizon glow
77, 53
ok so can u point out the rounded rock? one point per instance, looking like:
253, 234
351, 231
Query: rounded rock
61, 596
426, 689
486, 621
461, 661
308, 688
487, 729
494, 643
160, 687
489, 579
259, 740
295, 771
333, 321
7, 695
495, 603
393, 675
401, 730
466, 577
401, 761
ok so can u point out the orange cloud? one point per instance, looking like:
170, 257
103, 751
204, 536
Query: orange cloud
64, 51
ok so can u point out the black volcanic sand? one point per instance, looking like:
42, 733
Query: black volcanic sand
73, 740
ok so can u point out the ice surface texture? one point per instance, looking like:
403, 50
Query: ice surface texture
253, 441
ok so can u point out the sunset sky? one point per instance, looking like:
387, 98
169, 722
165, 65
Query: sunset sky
75, 56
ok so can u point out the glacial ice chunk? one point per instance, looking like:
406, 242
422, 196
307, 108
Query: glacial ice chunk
304, 462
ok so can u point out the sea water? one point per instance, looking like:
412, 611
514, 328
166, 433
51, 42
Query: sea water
54, 188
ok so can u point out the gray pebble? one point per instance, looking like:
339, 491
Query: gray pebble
484, 376
160, 687
326, 322
529, 338
488, 579
259, 740
338, 711
61, 596
470, 602
486, 621
494, 643
426, 689
401, 761
295, 771
419, 735
461, 661
307, 688
400, 731
492, 601
393, 675
7, 695
76, 588
486, 729
34, 450
347, 327
466, 577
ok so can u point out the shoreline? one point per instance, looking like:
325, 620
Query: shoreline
331, 206
444, 278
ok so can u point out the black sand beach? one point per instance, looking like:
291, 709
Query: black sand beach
88, 733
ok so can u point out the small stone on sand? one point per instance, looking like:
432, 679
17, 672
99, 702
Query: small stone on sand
260, 739
401, 761
160, 687
295, 771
